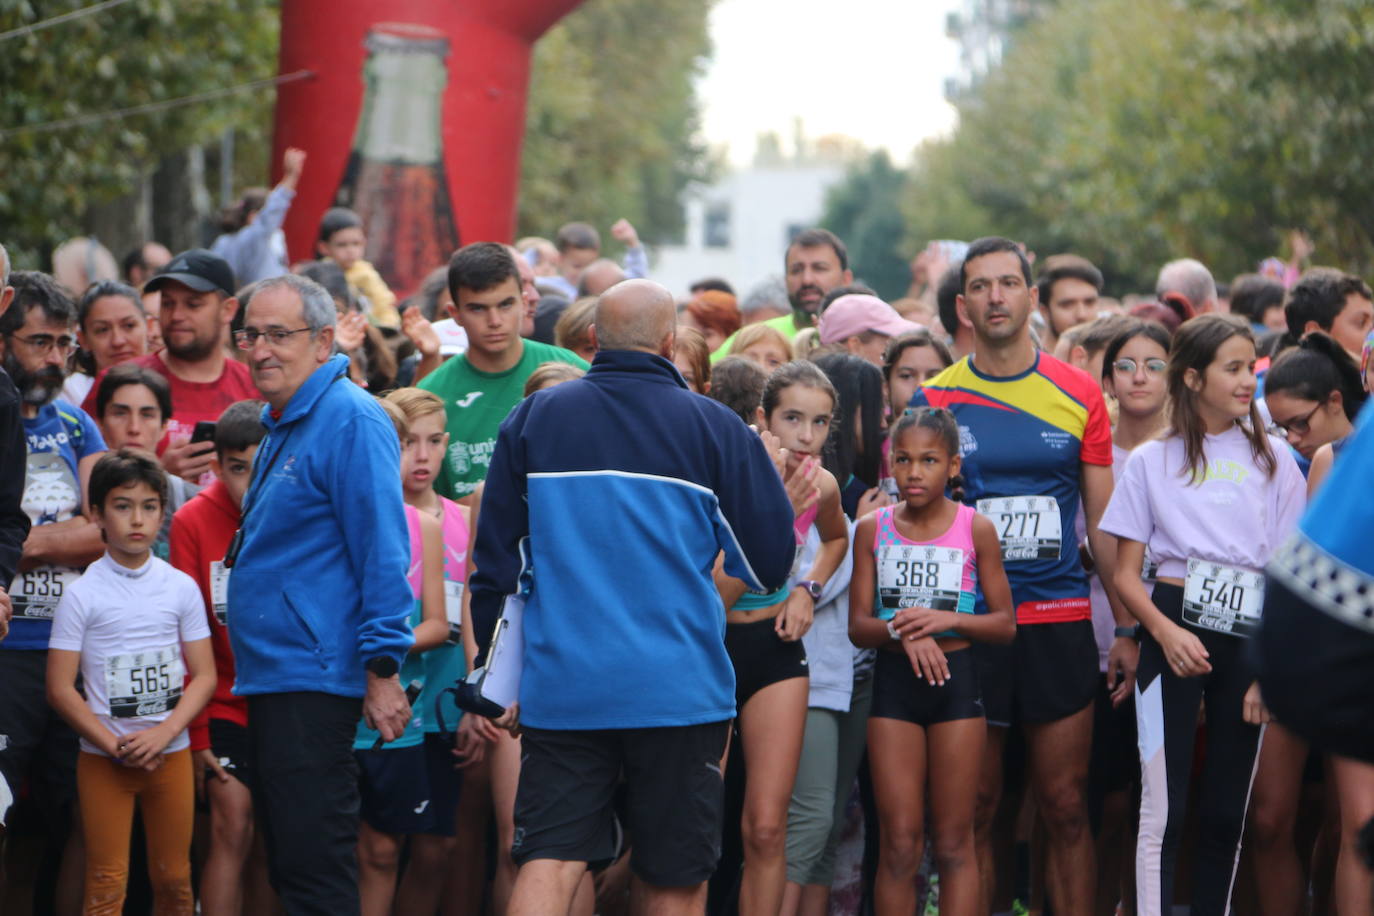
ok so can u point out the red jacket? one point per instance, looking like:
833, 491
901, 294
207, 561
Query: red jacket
201, 532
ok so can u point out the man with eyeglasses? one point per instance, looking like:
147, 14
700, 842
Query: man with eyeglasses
37, 749
318, 598
197, 303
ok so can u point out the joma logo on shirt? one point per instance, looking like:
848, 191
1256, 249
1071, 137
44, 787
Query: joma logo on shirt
467, 399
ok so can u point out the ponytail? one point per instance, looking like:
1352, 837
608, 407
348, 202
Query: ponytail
1315, 368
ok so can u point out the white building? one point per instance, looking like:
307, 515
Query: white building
738, 228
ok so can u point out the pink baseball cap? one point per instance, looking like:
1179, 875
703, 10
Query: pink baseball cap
856, 313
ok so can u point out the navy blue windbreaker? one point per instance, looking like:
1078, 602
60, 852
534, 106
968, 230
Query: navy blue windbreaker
609, 498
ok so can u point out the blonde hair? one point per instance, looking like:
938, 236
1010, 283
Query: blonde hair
806, 343
752, 334
415, 403
397, 416
551, 373
570, 332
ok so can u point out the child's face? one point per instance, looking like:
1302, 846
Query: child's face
801, 420
766, 354
577, 259
1138, 380
130, 518
1227, 388
915, 365
132, 418
345, 247
422, 452
922, 465
235, 468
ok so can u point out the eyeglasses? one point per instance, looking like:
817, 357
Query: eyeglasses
247, 338
1298, 426
1127, 366
44, 343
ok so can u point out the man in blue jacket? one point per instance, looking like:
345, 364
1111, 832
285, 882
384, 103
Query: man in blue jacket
318, 599
618, 491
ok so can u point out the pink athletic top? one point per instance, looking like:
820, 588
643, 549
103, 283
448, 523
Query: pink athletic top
941, 574
455, 533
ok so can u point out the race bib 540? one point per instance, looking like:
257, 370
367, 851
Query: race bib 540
1222, 598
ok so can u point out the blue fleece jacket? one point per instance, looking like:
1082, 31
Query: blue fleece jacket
610, 497
319, 586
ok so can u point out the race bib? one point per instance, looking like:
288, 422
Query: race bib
145, 683
35, 594
1149, 567
453, 609
1222, 598
219, 591
1028, 527
911, 575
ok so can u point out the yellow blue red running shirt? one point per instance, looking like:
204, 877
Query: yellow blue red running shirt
1024, 439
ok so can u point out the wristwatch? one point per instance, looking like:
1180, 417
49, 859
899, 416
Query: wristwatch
1131, 632
813, 588
382, 666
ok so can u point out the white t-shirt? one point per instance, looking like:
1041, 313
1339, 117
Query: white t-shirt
129, 626
1237, 515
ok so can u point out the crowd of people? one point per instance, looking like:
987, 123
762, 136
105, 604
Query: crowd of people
816, 603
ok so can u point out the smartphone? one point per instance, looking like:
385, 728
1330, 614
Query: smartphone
204, 432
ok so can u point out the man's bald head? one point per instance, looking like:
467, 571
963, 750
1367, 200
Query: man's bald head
599, 276
635, 315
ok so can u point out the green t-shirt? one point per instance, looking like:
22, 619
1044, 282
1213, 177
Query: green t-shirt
787, 324
476, 402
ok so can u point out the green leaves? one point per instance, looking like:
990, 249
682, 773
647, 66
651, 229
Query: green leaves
612, 118
139, 52
1134, 131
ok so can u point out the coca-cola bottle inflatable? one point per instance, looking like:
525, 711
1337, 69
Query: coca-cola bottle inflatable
395, 176
413, 116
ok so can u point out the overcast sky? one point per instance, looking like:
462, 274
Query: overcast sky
872, 69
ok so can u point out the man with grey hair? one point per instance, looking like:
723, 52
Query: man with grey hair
319, 605
14, 521
607, 501
1192, 280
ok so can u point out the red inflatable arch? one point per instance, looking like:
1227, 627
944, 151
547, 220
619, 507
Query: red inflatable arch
414, 118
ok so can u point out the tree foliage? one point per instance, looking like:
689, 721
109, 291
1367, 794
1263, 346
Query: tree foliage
612, 123
611, 128
865, 211
130, 55
1135, 131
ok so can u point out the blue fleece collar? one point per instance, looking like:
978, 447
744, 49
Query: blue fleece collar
646, 366
311, 390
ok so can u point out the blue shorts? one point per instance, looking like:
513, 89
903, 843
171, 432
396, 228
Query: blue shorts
394, 787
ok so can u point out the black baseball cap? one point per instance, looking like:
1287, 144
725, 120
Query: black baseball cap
200, 269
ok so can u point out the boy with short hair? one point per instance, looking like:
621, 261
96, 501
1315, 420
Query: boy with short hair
201, 532
343, 241
132, 628
480, 386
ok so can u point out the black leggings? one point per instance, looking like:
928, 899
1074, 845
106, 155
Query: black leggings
1166, 716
